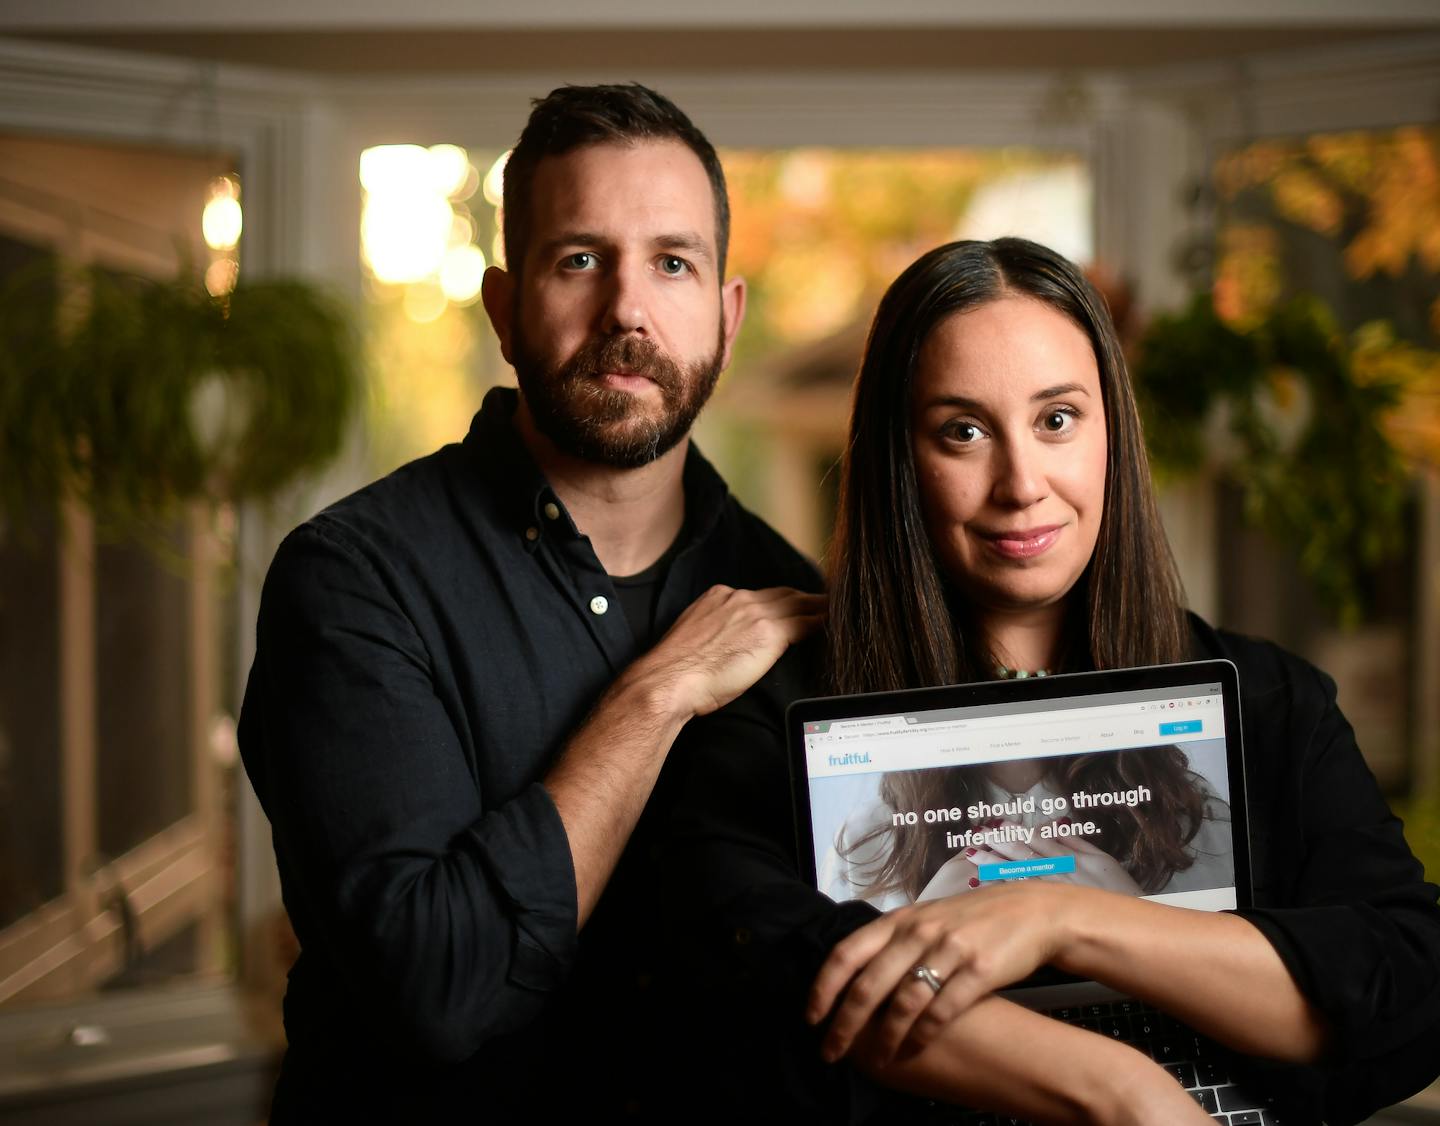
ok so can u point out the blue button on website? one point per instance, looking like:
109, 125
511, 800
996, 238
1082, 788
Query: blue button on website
1184, 727
1039, 866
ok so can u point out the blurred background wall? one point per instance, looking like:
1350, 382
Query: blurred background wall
1254, 185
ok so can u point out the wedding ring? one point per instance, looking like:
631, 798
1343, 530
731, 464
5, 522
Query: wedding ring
928, 976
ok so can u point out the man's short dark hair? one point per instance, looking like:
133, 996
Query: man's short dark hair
574, 116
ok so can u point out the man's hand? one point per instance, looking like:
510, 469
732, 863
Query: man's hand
723, 643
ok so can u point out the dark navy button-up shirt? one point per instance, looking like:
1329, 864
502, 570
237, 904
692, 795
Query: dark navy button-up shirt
425, 648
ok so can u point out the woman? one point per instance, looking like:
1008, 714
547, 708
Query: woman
997, 514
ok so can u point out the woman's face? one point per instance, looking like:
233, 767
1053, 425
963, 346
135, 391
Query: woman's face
1009, 442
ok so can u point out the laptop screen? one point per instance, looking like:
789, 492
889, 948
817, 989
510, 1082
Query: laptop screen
1105, 779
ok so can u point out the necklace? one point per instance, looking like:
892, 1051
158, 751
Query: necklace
1002, 673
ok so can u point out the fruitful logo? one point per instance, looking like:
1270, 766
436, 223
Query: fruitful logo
850, 758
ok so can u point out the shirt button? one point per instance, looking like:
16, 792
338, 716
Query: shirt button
599, 604
532, 534
552, 511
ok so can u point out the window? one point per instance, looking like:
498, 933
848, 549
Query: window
111, 808
1353, 219
819, 234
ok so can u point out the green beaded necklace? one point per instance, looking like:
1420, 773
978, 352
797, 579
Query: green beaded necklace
1002, 673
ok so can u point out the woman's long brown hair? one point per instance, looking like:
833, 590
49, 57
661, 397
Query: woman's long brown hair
894, 621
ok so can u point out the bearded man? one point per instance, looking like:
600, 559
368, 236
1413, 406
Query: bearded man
468, 675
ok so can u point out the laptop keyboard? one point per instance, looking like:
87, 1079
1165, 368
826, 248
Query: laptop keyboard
1200, 1065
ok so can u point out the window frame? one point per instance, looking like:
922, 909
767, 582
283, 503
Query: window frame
77, 940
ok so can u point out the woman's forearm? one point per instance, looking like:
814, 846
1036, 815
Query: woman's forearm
1000, 1056
1214, 971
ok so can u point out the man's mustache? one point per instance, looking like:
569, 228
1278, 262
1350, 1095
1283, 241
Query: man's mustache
629, 354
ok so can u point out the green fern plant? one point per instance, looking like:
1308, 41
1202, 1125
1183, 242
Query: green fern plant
155, 394
1285, 410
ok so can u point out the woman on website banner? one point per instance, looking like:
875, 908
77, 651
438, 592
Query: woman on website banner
1177, 840
997, 516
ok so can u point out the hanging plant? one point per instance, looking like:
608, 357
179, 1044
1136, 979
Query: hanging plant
160, 394
1303, 418
32, 463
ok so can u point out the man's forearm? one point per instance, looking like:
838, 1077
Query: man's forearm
723, 643
603, 779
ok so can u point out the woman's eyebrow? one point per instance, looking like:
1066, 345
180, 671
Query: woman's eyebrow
958, 401
1059, 389
962, 403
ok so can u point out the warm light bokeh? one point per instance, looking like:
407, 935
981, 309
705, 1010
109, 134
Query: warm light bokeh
430, 352
820, 233
414, 222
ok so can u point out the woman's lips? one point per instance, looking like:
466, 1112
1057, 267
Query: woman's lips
1023, 543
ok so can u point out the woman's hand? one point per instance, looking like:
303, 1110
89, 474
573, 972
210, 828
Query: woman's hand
1145, 1094
974, 944
1094, 867
956, 876
1026, 1066
1030, 1067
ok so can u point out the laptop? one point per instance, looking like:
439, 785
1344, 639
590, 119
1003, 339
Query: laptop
893, 791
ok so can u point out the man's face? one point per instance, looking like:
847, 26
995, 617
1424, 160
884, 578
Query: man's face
618, 325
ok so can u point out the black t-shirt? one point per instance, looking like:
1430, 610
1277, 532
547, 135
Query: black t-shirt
639, 593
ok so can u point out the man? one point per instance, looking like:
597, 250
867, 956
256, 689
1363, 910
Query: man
468, 675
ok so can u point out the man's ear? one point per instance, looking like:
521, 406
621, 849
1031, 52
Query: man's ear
732, 312
497, 292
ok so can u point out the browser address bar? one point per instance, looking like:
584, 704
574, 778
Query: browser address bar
1020, 721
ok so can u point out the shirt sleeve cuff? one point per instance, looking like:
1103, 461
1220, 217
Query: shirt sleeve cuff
1371, 989
527, 853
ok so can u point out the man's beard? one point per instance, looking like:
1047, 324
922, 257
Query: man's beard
586, 419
